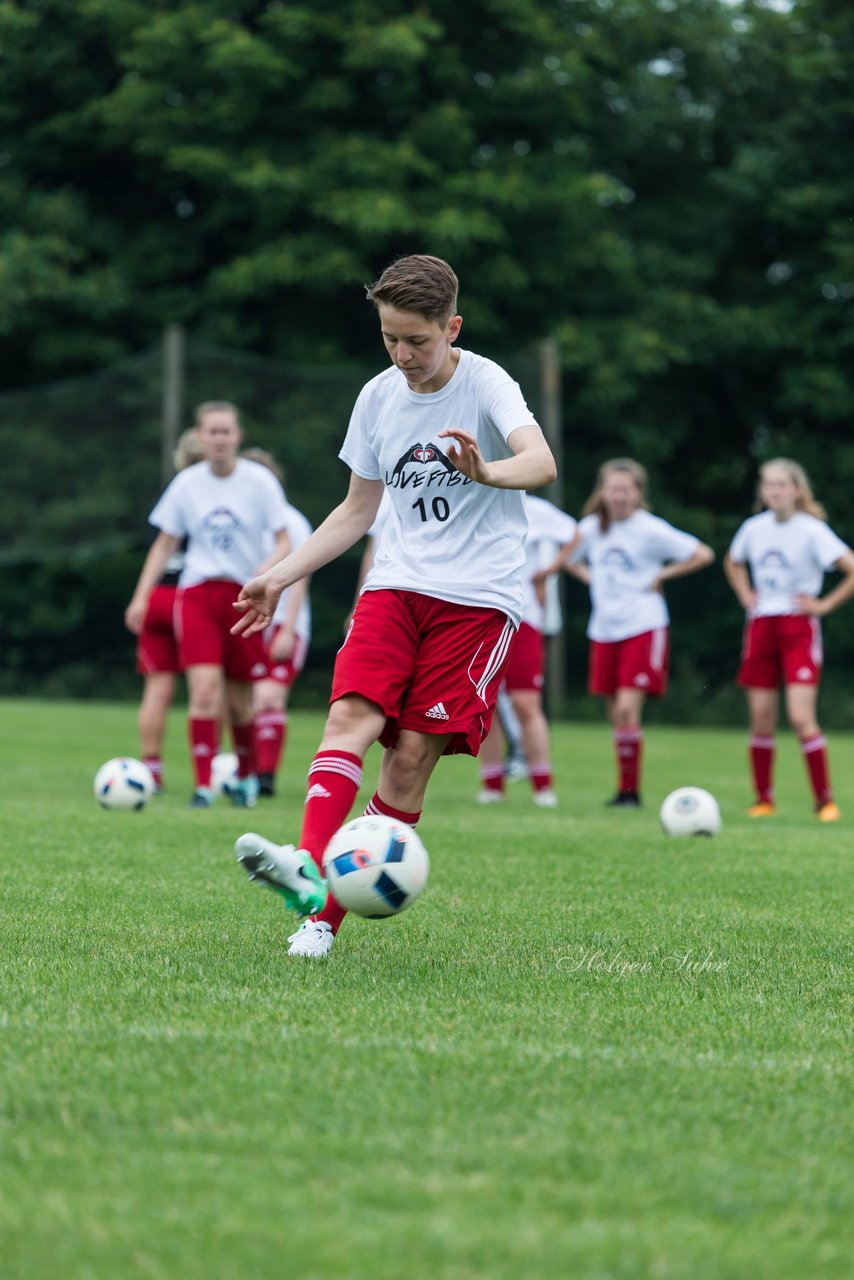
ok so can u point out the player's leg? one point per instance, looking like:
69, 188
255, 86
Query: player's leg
157, 693
626, 716
801, 706
206, 694
269, 704
492, 765
528, 705
239, 704
762, 705
515, 764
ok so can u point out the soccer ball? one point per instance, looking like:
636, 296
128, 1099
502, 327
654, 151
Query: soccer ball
223, 772
690, 811
376, 866
123, 783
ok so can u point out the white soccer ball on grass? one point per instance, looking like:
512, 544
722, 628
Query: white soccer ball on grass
690, 811
124, 783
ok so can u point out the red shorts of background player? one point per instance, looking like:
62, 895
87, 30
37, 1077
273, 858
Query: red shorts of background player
204, 616
527, 661
428, 664
785, 647
157, 646
640, 662
286, 671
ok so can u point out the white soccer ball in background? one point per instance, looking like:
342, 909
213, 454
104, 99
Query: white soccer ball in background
123, 783
223, 772
376, 866
690, 811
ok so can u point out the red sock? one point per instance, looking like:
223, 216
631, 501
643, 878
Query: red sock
243, 737
334, 777
541, 776
762, 767
333, 913
628, 745
155, 766
270, 729
492, 777
815, 756
204, 735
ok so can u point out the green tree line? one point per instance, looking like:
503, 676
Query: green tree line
664, 186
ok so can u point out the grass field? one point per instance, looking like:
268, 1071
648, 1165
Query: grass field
588, 1051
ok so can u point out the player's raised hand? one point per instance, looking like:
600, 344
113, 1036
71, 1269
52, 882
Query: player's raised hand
466, 456
257, 602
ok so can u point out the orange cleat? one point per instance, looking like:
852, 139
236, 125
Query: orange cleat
764, 809
828, 812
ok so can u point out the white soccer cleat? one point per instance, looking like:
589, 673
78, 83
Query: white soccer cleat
545, 799
312, 938
485, 796
291, 872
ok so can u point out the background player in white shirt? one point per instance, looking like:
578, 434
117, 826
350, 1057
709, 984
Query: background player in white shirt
287, 640
448, 436
776, 565
157, 657
226, 506
626, 555
550, 531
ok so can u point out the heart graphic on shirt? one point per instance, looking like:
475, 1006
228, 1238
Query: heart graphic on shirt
424, 455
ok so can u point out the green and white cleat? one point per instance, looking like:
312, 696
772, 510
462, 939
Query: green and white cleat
291, 872
312, 938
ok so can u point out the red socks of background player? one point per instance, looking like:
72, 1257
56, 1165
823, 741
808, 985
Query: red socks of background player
815, 758
628, 748
204, 740
270, 731
762, 767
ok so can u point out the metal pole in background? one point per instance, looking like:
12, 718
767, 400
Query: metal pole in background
172, 414
552, 424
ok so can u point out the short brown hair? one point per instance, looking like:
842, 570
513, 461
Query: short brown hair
215, 406
418, 283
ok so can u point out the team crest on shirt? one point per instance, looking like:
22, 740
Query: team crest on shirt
222, 525
424, 466
773, 559
617, 558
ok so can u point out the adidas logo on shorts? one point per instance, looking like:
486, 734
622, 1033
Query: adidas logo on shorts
438, 712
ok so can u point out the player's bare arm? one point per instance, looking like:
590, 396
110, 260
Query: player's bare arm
163, 546
342, 528
531, 466
821, 606
739, 579
701, 558
280, 550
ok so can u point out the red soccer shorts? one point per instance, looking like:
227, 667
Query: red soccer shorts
430, 665
640, 662
786, 647
527, 661
204, 617
286, 671
156, 645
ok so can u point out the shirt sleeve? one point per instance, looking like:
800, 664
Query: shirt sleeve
505, 403
277, 507
828, 547
356, 450
738, 550
674, 544
167, 515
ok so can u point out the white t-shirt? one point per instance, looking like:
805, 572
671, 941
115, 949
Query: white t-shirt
448, 537
299, 530
549, 529
226, 519
624, 562
787, 558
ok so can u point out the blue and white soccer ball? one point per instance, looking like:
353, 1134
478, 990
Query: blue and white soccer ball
123, 783
376, 866
690, 811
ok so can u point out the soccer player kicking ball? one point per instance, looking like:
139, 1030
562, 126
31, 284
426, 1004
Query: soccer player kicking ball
448, 436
